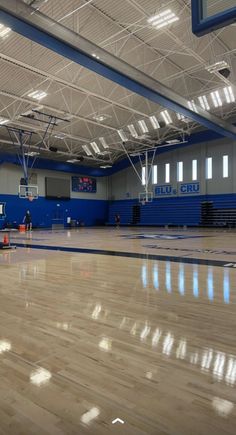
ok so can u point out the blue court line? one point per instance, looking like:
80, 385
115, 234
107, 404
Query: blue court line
173, 259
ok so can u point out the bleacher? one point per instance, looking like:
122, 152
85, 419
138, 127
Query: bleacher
177, 211
219, 214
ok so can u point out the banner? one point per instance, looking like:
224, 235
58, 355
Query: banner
182, 189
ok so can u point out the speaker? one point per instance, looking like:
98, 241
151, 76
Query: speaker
225, 72
80, 158
53, 149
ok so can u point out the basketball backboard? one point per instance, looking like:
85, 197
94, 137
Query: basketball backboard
28, 192
210, 15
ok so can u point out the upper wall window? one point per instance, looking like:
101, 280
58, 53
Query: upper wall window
167, 172
154, 174
209, 168
194, 170
225, 166
143, 176
180, 171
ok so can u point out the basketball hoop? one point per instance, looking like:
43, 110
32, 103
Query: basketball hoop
30, 198
143, 202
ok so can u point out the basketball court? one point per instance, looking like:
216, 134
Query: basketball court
117, 217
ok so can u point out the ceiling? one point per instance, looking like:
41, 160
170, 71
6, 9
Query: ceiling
83, 106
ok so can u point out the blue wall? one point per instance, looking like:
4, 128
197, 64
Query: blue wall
162, 211
92, 212
175, 211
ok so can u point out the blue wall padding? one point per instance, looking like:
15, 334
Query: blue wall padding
43, 211
162, 211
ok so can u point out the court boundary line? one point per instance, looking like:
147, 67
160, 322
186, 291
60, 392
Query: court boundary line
173, 259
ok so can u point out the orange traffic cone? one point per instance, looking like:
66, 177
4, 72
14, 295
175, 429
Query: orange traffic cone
6, 240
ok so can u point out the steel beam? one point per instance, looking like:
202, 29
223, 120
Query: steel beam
43, 30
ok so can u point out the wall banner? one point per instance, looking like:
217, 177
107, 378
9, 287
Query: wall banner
182, 189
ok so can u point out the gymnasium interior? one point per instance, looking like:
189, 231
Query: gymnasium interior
117, 217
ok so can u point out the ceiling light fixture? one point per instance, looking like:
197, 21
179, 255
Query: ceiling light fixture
216, 99
132, 130
72, 161
217, 66
32, 153
105, 166
154, 122
192, 106
163, 19
95, 55
229, 95
172, 141
203, 102
60, 135
122, 135
87, 150
95, 147
37, 95
4, 120
4, 31
182, 118
143, 126
103, 142
100, 118
166, 116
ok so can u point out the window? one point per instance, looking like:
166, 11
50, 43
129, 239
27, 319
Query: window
194, 170
154, 174
209, 168
179, 171
225, 166
143, 176
167, 172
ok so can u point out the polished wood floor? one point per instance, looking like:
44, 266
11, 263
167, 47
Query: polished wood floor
87, 338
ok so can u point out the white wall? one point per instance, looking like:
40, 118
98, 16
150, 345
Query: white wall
10, 176
126, 181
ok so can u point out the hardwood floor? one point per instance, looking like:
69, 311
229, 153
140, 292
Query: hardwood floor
87, 338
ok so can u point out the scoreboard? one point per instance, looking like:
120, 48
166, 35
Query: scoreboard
84, 184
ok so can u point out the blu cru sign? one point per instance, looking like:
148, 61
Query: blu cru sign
183, 189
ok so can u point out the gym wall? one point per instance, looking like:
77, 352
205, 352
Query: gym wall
91, 208
177, 208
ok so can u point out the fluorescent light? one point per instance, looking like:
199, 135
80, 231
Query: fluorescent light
72, 161
182, 118
4, 120
229, 95
162, 14
95, 55
5, 346
192, 106
143, 126
95, 147
60, 135
101, 117
105, 166
32, 153
216, 99
87, 150
89, 416
154, 122
132, 130
166, 116
215, 67
163, 19
37, 95
122, 135
40, 376
103, 142
172, 141
4, 31
204, 103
